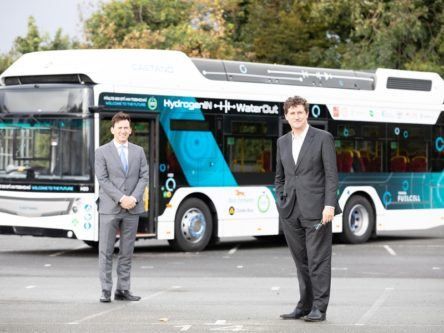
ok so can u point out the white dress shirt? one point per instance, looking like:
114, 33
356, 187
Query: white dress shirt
297, 141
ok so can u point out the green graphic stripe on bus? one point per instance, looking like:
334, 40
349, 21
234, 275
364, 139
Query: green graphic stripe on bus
402, 190
197, 151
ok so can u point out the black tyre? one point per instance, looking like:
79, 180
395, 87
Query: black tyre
93, 244
358, 220
193, 226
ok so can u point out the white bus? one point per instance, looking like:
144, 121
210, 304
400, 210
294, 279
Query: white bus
209, 129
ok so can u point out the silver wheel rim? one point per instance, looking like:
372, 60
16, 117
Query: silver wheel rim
193, 225
358, 220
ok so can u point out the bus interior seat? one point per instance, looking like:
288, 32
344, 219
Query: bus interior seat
399, 163
418, 164
345, 161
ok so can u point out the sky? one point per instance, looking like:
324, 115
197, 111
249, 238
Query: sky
49, 14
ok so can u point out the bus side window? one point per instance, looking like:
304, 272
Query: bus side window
249, 154
437, 156
359, 147
249, 148
409, 147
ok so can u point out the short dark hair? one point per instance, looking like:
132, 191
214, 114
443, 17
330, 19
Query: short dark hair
119, 116
295, 101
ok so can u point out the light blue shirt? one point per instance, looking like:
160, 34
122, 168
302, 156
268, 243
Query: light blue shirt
125, 149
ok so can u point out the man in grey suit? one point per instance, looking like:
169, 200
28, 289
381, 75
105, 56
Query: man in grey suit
122, 171
306, 184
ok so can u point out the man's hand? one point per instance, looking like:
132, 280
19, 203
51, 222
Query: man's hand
328, 214
128, 202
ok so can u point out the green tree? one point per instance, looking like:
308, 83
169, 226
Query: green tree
34, 41
6, 60
403, 34
60, 42
303, 32
195, 27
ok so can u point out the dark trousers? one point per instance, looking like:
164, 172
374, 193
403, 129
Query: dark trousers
311, 252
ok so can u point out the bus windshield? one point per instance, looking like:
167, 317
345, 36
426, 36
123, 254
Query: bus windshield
45, 147
45, 98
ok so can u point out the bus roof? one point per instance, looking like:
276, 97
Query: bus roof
103, 66
110, 65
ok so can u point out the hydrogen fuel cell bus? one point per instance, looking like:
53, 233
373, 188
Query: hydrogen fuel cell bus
209, 130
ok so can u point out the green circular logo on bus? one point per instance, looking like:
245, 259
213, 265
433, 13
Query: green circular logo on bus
263, 203
152, 103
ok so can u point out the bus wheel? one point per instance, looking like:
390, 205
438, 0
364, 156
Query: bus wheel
193, 226
358, 220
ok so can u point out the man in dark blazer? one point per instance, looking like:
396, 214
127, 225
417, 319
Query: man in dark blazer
122, 171
306, 184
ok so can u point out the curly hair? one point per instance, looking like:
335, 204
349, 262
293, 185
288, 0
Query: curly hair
295, 101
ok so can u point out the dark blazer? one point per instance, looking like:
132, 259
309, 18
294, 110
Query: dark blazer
312, 183
113, 181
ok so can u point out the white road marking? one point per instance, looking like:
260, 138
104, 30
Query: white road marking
30, 287
390, 250
436, 268
366, 245
275, 288
183, 328
47, 265
230, 328
239, 266
56, 254
233, 250
339, 269
375, 307
218, 322
95, 315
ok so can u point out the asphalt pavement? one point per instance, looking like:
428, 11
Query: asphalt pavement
392, 284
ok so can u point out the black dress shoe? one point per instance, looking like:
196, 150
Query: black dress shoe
106, 296
296, 314
125, 295
315, 315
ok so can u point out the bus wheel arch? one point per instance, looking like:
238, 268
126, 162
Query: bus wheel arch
93, 244
195, 224
358, 219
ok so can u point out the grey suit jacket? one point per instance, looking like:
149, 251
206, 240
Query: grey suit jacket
311, 184
113, 181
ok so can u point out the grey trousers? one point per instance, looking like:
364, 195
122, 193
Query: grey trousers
109, 224
311, 251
